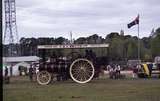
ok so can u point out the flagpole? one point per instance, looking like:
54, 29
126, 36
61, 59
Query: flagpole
138, 43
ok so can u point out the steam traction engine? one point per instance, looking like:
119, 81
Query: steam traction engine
80, 69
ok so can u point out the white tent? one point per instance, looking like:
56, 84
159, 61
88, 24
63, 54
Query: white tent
20, 59
24, 61
15, 71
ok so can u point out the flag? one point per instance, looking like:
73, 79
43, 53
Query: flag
134, 22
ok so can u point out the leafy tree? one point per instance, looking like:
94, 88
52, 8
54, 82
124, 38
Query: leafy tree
121, 47
155, 46
158, 30
116, 49
59, 40
81, 40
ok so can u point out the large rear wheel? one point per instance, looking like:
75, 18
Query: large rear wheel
43, 77
82, 70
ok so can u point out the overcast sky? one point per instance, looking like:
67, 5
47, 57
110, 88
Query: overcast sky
54, 18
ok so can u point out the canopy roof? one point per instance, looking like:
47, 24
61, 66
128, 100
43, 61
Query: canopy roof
71, 46
20, 59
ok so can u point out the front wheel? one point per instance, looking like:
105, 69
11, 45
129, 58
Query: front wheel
82, 70
43, 77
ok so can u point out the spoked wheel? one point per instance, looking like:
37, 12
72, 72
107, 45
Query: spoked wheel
43, 77
82, 70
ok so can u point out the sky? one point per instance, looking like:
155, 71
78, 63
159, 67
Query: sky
55, 18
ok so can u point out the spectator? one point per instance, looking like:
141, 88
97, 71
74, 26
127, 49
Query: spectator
31, 73
114, 72
34, 72
20, 69
111, 73
118, 71
6, 75
135, 71
6, 71
108, 67
25, 70
11, 70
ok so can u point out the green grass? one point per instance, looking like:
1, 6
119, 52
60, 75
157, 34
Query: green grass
21, 89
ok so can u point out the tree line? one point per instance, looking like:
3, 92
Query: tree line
121, 47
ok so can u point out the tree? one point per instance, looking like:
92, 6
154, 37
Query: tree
112, 35
158, 30
81, 40
121, 47
59, 40
155, 46
116, 49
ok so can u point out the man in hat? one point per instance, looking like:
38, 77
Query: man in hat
6, 75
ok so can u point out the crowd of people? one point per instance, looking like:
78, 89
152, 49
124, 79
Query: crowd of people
114, 71
8, 72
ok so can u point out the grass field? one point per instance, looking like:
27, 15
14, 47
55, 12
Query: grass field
21, 89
